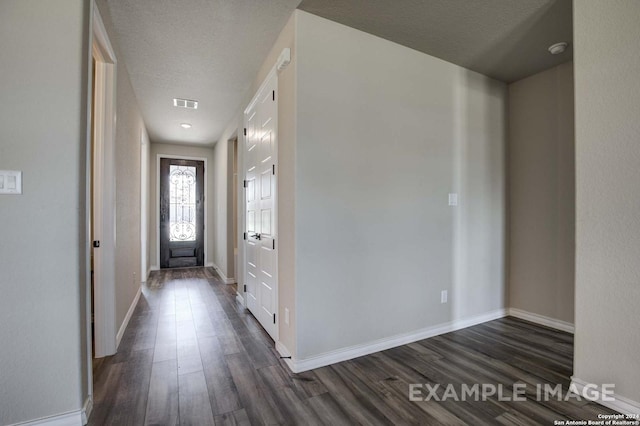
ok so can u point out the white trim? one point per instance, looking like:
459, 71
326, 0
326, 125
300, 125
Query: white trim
620, 404
542, 320
101, 49
87, 408
285, 354
272, 75
145, 159
355, 351
125, 323
240, 298
223, 277
153, 268
156, 267
72, 418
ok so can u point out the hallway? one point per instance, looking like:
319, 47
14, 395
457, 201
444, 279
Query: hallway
193, 356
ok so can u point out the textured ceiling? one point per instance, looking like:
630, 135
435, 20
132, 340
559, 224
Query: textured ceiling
504, 39
207, 50
210, 50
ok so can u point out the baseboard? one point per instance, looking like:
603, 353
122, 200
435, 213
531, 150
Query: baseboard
542, 320
127, 317
86, 409
286, 354
72, 418
239, 298
154, 268
344, 354
620, 404
223, 277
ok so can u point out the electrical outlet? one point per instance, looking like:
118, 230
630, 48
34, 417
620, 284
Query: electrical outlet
286, 316
443, 296
453, 199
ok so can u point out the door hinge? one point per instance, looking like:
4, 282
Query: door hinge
245, 184
274, 243
245, 131
245, 235
273, 169
273, 95
245, 288
274, 318
96, 244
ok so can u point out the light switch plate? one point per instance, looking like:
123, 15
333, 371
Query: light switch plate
10, 182
453, 199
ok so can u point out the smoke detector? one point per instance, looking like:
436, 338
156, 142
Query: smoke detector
185, 103
558, 48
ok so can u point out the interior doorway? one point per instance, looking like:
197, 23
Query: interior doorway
101, 195
181, 213
260, 205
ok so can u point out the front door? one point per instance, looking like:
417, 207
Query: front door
260, 217
181, 213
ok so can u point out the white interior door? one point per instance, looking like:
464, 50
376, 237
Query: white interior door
260, 202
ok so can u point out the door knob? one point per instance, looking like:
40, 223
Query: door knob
256, 236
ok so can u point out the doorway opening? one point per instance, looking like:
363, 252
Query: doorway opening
181, 213
260, 261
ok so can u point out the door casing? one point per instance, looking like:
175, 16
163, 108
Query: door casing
166, 255
106, 342
206, 202
243, 270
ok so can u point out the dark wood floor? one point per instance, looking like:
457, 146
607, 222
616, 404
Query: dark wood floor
193, 356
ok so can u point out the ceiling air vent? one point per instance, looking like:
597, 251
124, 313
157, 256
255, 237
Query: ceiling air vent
185, 103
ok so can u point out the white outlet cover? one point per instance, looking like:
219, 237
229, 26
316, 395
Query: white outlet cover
453, 199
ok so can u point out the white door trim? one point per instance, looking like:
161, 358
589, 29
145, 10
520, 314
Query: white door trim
104, 189
157, 207
145, 159
104, 330
272, 74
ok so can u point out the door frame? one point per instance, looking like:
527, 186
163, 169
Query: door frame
157, 207
104, 193
104, 330
242, 270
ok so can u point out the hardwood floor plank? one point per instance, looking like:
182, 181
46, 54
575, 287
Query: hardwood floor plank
192, 355
260, 405
223, 394
162, 408
235, 418
195, 408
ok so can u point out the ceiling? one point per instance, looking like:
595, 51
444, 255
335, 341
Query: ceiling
210, 50
204, 50
504, 39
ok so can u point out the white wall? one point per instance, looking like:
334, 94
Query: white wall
384, 133
220, 202
43, 132
607, 87
542, 194
184, 151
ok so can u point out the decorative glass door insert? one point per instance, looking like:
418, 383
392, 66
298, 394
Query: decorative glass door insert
182, 203
181, 213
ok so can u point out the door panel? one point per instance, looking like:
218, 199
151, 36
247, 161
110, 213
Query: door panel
181, 213
260, 216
